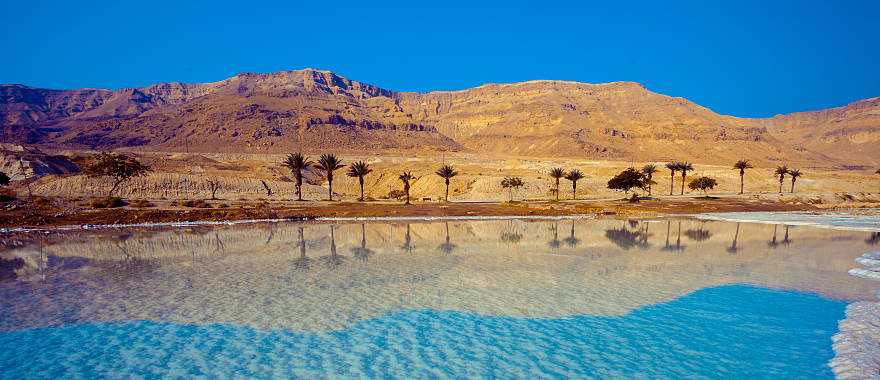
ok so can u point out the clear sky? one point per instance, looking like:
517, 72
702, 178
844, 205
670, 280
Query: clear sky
744, 58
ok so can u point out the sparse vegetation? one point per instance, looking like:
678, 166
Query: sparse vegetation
742, 165
359, 170
195, 203
780, 172
119, 167
574, 176
406, 178
141, 203
511, 183
673, 167
446, 172
627, 180
684, 168
649, 170
297, 162
703, 184
794, 174
107, 202
213, 187
556, 174
328, 163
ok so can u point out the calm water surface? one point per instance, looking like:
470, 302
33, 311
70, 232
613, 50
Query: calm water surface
664, 298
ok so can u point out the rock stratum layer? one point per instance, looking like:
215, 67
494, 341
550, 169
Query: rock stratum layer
314, 110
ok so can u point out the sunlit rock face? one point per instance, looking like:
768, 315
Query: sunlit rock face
315, 109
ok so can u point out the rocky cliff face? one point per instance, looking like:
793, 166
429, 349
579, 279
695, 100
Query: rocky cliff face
316, 110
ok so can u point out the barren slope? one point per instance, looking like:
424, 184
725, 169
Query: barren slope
317, 110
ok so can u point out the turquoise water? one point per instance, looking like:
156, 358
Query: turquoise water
668, 298
723, 332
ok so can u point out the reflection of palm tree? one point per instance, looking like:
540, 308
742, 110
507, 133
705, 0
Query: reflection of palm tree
407, 241
511, 236
362, 253
773, 243
622, 237
333, 260
873, 239
732, 249
571, 240
643, 240
677, 246
698, 234
555, 243
785, 240
302, 262
447, 247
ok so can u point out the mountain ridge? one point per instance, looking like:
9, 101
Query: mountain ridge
317, 109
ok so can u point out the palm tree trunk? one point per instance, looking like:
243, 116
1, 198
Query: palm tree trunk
792, 185
406, 188
683, 180
447, 189
557, 189
649, 186
361, 182
671, 182
741, 180
330, 188
299, 183
780, 185
574, 190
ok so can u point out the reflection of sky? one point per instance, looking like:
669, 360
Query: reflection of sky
722, 332
319, 276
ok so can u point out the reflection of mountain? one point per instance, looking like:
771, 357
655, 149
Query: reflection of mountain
183, 277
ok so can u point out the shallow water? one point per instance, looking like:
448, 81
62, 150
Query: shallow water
498, 298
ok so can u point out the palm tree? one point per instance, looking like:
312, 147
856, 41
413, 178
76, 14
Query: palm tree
556, 174
406, 177
446, 172
296, 162
574, 175
673, 167
781, 171
794, 173
684, 167
742, 165
359, 169
328, 163
649, 170
511, 183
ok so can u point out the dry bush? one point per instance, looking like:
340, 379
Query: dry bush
195, 203
107, 202
41, 201
141, 203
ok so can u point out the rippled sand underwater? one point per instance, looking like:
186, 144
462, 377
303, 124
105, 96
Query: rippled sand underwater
500, 298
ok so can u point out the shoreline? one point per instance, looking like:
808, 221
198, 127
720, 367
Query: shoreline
59, 214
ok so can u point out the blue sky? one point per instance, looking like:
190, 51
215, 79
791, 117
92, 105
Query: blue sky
743, 58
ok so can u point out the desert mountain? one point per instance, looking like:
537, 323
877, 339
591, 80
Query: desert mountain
316, 110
